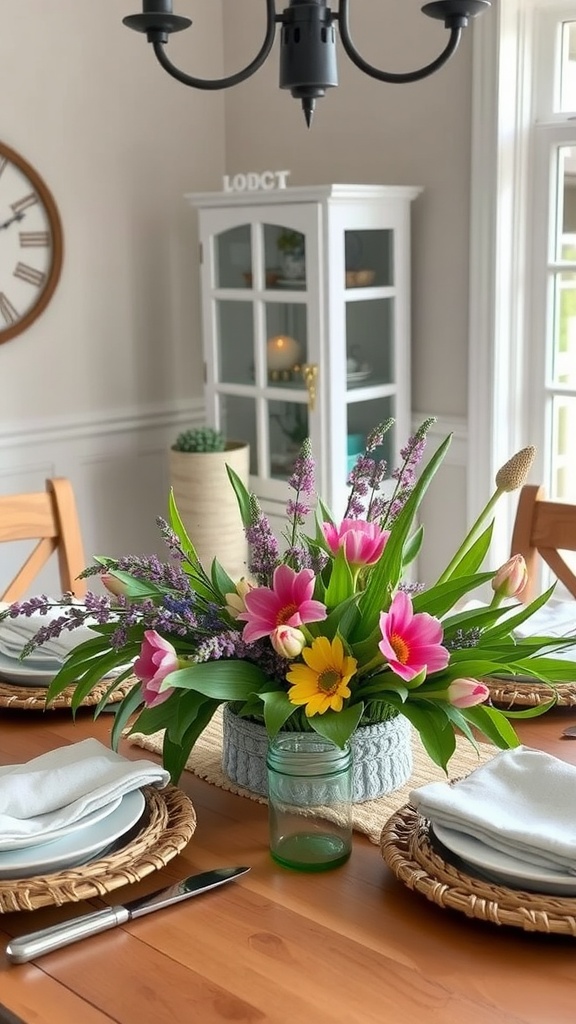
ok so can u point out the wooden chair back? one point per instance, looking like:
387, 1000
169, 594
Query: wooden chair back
543, 529
50, 517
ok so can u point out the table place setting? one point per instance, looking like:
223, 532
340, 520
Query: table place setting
24, 680
76, 807
499, 844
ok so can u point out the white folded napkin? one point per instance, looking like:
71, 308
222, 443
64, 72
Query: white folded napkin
15, 634
522, 802
66, 784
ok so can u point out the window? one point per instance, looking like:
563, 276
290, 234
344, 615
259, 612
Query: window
523, 256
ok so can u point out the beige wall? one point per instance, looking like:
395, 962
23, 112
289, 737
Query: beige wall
118, 142
366, 131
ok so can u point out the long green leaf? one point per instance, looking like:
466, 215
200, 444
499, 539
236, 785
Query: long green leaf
277, 710
128, 706
242, 496
341, 585
228, 679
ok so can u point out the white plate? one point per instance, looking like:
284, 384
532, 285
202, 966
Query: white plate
356, 376
78, 847
501, 867
60, 833
14, 671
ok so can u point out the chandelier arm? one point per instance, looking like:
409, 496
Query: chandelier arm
388, 76
240, 76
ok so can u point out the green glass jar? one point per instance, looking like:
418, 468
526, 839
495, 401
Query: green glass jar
309, 801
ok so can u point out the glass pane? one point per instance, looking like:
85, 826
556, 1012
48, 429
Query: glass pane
234, 258
287, 343
565, 242
237, 419
235, 333
568, 67
363, 417
369, 342
288, 426
564, 353
284, 257
369, 257
563, 434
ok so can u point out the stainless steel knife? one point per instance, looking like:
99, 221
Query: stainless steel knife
35, 944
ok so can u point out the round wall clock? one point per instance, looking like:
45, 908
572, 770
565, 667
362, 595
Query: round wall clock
30, 244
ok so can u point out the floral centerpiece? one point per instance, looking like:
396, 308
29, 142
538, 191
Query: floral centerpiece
328, 634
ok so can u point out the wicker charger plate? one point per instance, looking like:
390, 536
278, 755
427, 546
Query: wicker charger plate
408, 852
29, 698
512, 693
167, 826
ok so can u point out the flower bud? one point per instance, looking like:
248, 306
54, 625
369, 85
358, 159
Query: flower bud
113, 585
235, 603
513, 473
288, 641
465, 693
511, 577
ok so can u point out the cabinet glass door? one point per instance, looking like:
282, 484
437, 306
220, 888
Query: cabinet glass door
259, 320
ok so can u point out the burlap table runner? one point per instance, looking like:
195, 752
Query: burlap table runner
205, 762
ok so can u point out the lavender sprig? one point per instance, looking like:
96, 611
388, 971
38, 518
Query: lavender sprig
264, 549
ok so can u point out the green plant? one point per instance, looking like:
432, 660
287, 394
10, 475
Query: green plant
200, 439
290, 241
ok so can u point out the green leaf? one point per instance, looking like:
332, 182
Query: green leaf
337, 726
229, 679
341, 585
493, 724
175, 755
221, 581
412, 546
442, 596
511, 622
242, 496
472, 558
277, 710
434, 727
130, 703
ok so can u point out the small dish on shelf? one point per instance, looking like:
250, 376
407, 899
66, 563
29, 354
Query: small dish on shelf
360, 278
358, 376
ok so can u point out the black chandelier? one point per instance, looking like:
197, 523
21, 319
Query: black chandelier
307, 44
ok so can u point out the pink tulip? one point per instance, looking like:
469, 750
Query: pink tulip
362, 542
287, 603
411, 642
465, 693
157, 659
511, 577
287, 641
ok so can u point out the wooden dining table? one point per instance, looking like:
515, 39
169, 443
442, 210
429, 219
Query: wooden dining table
351, 945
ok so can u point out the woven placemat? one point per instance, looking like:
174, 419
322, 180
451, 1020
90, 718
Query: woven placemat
29, 698
514, 693
409, 853
205, 761
166, 828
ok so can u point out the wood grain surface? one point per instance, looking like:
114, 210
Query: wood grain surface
350, 945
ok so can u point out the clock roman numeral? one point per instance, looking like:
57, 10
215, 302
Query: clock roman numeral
3, 163
24, 203
7, 310
29, 274
28, 238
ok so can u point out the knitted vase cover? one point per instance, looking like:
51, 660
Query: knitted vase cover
382, 755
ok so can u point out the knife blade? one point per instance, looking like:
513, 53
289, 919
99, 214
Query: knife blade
35, 944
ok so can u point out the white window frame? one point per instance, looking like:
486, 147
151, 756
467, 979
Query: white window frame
505, 104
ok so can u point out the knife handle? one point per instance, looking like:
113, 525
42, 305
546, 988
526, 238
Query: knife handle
35, 944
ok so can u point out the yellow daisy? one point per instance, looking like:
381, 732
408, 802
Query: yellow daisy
322, 682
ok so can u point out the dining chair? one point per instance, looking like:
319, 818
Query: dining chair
543, 529
50, 517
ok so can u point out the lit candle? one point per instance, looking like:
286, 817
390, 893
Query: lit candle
282, 352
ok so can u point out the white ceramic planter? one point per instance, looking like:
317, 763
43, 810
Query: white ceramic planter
208, 506
382, 756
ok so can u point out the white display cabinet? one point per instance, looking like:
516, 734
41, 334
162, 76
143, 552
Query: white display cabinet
306, 326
